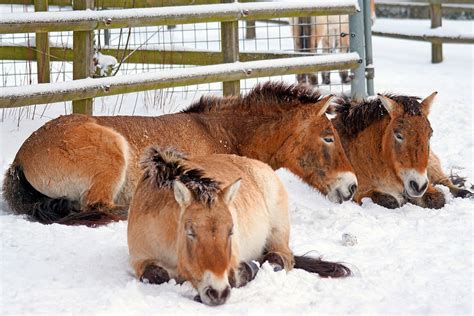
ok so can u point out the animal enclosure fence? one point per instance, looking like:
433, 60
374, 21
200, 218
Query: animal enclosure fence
436, 36
160, 47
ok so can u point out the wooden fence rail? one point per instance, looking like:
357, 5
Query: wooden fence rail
82, 89
91, 88
436, 40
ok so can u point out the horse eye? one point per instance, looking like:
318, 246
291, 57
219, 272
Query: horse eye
399, 137
328, 140
231, 232
190, 234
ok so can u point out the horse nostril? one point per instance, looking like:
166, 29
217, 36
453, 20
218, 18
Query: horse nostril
352, 188
414, 186
212, 294
423, 188
225, 293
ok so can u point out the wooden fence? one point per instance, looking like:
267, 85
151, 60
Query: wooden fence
83, 23
436, 39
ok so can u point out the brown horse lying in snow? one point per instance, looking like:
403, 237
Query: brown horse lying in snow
78, 169
387, 142
190, 221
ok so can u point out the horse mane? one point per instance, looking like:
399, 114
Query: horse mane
353, 117
162, 166
265, 98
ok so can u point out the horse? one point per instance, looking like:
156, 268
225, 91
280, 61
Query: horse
204, 218
81, 170
387, 142
325, 32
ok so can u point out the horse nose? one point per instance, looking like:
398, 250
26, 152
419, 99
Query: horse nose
352, 189
415, 187
217, 297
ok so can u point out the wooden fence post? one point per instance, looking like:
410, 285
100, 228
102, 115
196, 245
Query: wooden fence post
230, 51
42, 48
436, 21
83, 48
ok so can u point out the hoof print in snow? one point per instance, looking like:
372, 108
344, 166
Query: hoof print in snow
349, 240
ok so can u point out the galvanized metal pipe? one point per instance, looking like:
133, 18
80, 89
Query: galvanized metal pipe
369, 60
356, 26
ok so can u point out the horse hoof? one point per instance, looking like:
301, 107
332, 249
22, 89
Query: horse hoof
154, 275
434, 200
463, 193
275, 260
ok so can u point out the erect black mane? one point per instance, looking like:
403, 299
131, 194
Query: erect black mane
163, 166
267, 98
353, 117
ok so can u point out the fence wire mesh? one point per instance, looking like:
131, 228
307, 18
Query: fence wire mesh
307, 36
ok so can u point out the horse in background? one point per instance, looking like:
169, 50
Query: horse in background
324, 32
202, 219
387, 142
82, 170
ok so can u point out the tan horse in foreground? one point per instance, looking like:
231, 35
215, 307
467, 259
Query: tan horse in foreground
387, 142
79, 169
190, 221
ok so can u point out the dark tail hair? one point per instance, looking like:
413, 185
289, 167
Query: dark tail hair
23, 198
325, 269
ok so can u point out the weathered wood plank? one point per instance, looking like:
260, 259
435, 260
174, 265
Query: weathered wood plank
436, 21
42, 47
427, 38
91, 20
91, 88
83, 47
230, 51
173, 56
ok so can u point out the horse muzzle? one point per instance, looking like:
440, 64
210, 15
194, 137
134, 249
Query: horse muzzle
414, 182
343, 188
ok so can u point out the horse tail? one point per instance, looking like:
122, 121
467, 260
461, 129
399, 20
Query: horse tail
23, 198
325, 269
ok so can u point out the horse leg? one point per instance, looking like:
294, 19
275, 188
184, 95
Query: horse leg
245, 273
431, 199
437, 176
313, 47
344, 47
384, 199
326, 75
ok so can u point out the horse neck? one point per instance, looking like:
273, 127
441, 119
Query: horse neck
263, 136
252, 135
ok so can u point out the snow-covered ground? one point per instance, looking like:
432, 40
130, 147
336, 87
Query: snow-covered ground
407, 261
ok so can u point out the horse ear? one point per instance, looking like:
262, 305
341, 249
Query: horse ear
387, 103
182, 194
229, 192
326, 101
427, 102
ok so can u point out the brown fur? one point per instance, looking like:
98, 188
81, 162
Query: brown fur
368, 130
191, 239
92, 161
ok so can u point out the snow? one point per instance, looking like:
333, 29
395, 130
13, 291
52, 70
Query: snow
423, 28
407, 261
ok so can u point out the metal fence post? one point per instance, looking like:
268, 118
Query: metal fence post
230, 51
356, 26
436, 21
369, 60
83, 50
42, 48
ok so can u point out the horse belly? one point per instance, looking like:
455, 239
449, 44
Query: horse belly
253, 238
